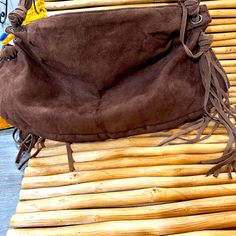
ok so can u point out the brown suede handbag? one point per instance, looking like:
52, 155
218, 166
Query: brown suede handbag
100, 75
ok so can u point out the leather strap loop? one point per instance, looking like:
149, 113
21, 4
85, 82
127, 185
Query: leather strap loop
17, 16
193, 8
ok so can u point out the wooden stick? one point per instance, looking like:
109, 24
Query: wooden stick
227, 63
210, 233
219, 4
220, 43
131, 152
125, 184
233, 100
232, 76
75, 217
221, 28
219, 13
230, 70
161, 1
224, 21
181, 159
101, 8
125, 198
52, 143
226, 56
232, 95
118, 173
122, 143
138, 227
232, 89
223, 50
220, 130
224, 36
61, 5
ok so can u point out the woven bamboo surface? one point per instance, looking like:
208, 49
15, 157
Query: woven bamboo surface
129, 186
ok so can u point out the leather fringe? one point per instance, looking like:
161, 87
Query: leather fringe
26, 142
222, 112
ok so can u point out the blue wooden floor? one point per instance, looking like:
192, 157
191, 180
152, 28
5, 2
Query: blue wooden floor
10, 180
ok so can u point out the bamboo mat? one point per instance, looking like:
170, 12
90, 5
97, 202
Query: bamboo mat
129, 186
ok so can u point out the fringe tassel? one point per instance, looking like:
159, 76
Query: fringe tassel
216, 87
26, 142
70, 157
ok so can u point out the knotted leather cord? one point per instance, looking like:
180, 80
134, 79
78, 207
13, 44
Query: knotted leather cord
222, 112
26, 142
40, 144
16, 17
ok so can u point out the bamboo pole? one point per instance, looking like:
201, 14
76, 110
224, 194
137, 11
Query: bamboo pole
181, 159
131, 152
125, 198
125, 184
75, 217
119, 173
220, 43
166, 226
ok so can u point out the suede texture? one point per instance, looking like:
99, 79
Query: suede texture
107, 74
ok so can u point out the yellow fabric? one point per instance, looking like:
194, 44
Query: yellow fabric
3, 124
7, 39
32, 16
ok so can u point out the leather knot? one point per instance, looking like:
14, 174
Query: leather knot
205, 42
192, 7
8, 52
17, 16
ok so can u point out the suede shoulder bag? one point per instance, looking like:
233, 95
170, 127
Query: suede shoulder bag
123, 72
